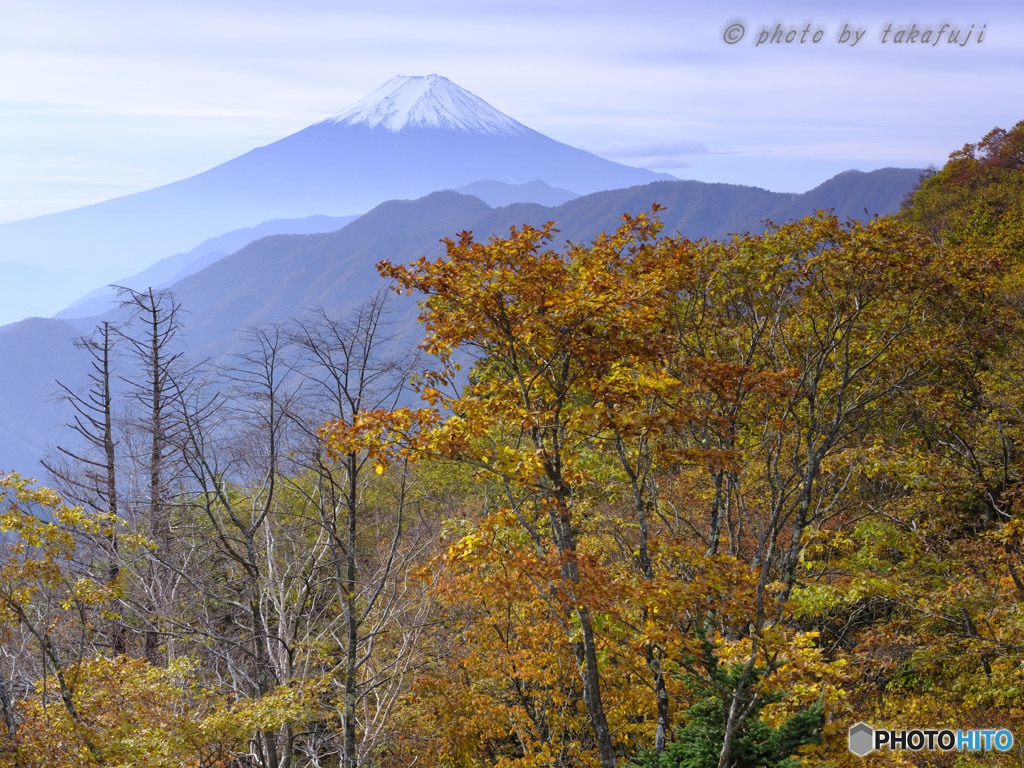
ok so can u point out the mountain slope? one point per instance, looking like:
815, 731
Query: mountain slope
413, 136
35, 352
427, 102
848, 194
280, 277
181, 265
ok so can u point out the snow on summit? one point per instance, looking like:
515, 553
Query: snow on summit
427, 102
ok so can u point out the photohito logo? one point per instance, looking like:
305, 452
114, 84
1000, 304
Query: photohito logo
865, 739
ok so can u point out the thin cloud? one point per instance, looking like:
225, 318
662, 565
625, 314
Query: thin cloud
652, 149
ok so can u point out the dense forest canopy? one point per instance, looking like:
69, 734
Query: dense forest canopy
696, 504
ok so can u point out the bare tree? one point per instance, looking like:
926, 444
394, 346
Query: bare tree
350, 366
87, 475
230, 444
297, 565
151, 335
297, 552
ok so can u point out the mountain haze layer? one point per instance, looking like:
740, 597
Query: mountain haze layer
412, 136
170, 270
285, 276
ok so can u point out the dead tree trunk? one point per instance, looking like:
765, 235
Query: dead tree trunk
90, 479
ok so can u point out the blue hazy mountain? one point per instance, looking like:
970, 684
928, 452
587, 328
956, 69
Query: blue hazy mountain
170, 270
279, 277
410, 137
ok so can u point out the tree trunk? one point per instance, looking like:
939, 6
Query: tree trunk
585, 648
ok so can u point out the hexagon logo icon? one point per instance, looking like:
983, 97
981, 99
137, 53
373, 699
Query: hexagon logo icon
862, 739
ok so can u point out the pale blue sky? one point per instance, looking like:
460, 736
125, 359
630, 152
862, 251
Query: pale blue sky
109, 97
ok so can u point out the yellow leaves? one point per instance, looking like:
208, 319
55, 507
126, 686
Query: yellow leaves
464, 546
137, 714
382, 436
38, 554
755, 378
86, 591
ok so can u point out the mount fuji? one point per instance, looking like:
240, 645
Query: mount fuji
410, 137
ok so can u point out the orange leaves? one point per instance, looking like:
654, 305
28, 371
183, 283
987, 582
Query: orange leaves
726, 394
566, 342
516, 299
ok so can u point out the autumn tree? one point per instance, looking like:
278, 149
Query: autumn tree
127, 712
569, 401
545, 327
609, 371
975, 199
49, 592
925, 594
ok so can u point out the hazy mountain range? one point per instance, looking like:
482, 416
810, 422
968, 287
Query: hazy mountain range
282, 248
411, 137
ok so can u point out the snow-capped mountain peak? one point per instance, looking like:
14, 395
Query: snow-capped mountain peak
427, 102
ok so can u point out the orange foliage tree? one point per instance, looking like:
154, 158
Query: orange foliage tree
663, 425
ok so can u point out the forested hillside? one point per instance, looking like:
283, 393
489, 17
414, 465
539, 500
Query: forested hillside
700, 504
279, 277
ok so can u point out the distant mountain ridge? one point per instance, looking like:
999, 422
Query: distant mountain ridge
174, 268
701, 209
497, 193
413, 136
709, 210
279, 277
